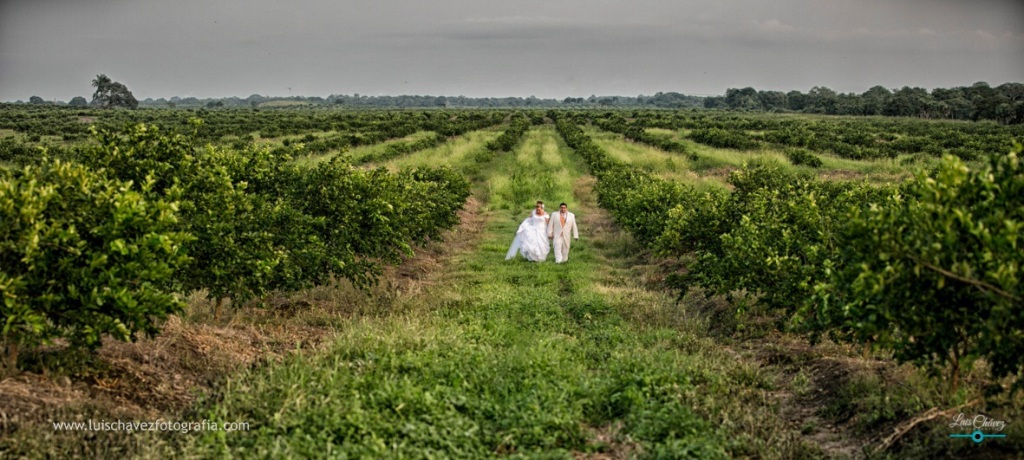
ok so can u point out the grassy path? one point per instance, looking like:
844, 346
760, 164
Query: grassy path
510, 358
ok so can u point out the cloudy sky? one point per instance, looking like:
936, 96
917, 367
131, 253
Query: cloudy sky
546, 48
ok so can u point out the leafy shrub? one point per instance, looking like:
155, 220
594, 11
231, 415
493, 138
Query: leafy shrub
935, 273
12, 150
82, 256
803, 157
508, 139
262, 223
717, 137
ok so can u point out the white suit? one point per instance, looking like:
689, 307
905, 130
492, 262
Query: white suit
561, 234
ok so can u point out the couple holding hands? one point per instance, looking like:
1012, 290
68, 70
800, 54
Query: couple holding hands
532, 237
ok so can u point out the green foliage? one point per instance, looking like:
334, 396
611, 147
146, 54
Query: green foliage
233, 253
718, 137
83, 255
14, 151
518, 126
854, 138
934, 273
799, 156
772, 236
336, 129
976, 102
639, 201
399, 148
370, 217
434, 194
262, 223
101, 248
598, 161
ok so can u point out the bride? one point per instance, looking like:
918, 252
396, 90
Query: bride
532, 237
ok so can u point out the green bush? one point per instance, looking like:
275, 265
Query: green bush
12, 150
233, 252
508, 139
935, 273
83, 256
772, 236
717, 137
803, 157
261, 223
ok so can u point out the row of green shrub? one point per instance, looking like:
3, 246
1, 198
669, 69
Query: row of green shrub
930, 270
110, 244
399, 148
72, 123
518, 125
855, 138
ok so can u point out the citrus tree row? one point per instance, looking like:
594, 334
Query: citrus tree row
855, 138
930, 270
238, 128
72, 123
108, 244
519, 123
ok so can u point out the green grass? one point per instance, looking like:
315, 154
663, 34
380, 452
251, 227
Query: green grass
652, 159
509, 358
459, 153
540, 169
363, 150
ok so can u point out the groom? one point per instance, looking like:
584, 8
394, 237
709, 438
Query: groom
559, 227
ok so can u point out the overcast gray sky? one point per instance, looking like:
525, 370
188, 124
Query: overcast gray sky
546, 48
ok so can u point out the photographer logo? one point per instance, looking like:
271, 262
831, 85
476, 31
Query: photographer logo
981, 427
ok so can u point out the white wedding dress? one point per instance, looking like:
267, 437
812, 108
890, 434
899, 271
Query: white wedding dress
531, 239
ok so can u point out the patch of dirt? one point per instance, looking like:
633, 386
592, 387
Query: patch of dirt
418, 273
596, 220
841, 175
607, 443
811, 385
721, 172
149, 377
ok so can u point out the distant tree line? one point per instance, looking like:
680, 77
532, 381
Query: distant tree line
670, 100
980, 101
